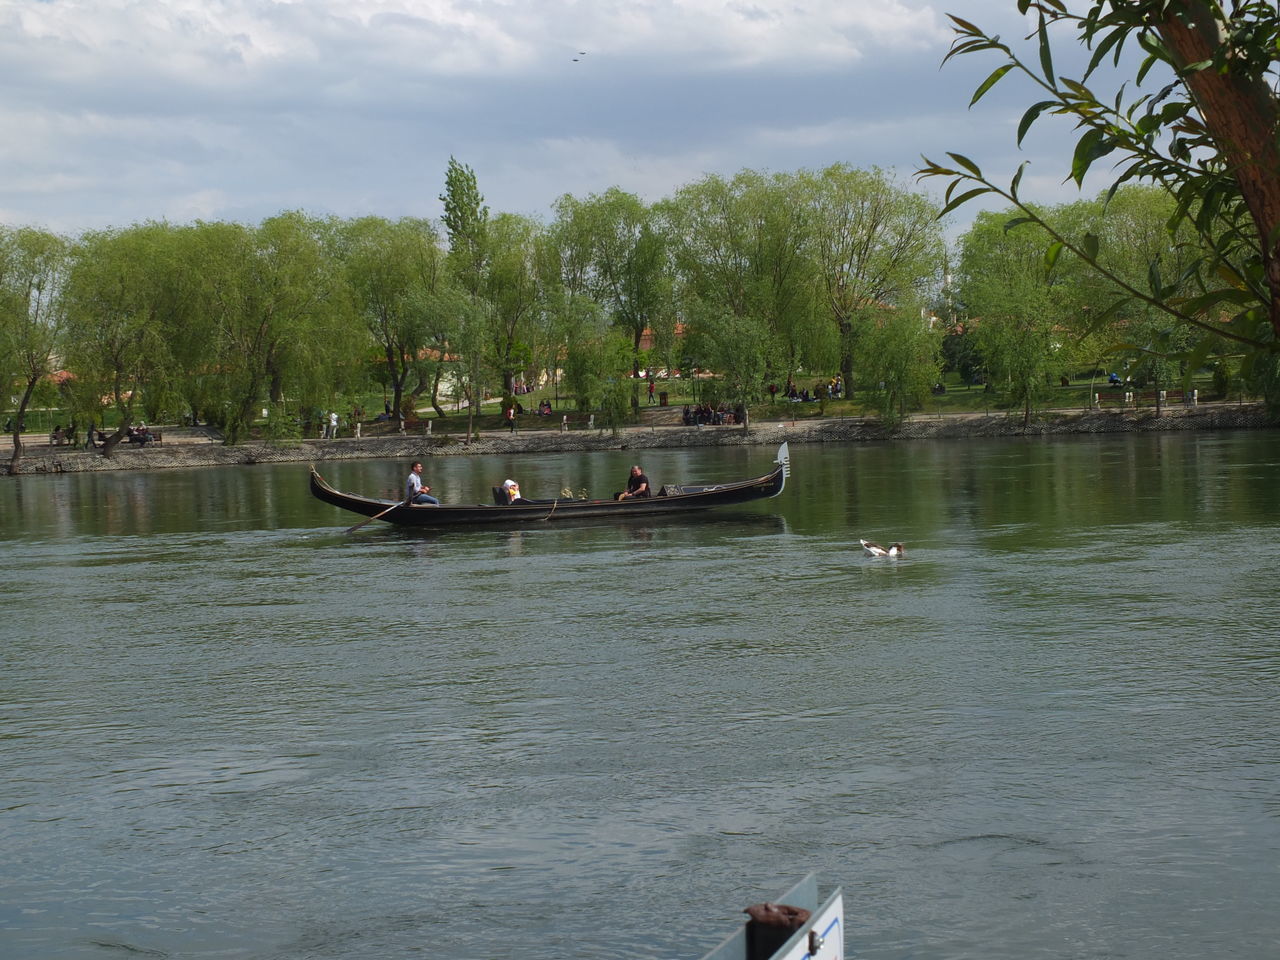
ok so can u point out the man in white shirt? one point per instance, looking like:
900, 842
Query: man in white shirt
415, 491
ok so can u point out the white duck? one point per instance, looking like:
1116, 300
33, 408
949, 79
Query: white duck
894, 550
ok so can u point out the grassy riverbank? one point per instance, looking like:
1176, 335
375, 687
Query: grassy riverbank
659, 427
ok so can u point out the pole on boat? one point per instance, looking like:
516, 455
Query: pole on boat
376, 516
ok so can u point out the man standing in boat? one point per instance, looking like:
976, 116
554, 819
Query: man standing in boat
637, 485
415, 491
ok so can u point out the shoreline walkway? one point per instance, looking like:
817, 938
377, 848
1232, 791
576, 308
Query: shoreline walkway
188, 447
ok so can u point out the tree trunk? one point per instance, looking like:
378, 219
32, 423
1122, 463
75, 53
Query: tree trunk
1241, 113
846, 352
435, 392
109, 445
19, 417
398, 374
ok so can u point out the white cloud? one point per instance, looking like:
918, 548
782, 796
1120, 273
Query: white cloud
113, 111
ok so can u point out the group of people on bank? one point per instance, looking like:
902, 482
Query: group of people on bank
140, 434
705, 413
419, 493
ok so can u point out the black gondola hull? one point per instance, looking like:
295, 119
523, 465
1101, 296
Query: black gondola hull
686, 499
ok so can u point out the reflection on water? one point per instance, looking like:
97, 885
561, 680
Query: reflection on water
231, 730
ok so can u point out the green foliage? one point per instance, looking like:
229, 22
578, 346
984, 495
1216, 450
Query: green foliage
746, 247
396, 278
877, 245
126, 295
903, 353
615, 252
33, 267
282, 427
1222, 379
734, 347
1207, 139
594, 360
615, 404
466, 219
274, 303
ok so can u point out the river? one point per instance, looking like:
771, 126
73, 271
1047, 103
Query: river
232, 731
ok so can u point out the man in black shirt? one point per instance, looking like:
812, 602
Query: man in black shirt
637, 485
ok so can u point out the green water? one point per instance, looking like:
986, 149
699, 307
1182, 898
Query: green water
230, 730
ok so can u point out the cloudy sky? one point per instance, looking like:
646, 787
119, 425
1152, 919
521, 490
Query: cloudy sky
117, 111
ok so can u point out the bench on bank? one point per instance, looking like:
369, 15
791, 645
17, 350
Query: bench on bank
139, 437
1124, 398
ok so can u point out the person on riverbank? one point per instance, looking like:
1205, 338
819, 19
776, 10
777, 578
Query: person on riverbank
415, 491
637, 485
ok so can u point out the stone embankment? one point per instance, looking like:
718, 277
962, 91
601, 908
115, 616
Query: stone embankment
194, 448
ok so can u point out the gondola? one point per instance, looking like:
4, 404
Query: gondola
670, 499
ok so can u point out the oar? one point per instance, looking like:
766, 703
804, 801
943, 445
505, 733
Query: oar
377, 515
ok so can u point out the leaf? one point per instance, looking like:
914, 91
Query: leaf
1086, 152
1105, 316
990, 82
1089, 244
965, 25
1017, 179
963, 198
1046, 54
1051, 254
1147, 64
1153, 279
931, 169
1017, 222
966, 163
1030, 116
1080, 91
1202, 303
1196, 358
1101, 50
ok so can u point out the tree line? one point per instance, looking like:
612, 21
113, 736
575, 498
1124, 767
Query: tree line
756, 278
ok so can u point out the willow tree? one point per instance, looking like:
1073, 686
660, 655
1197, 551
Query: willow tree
396, 271
564, 263
903, 356
32, 271
512, 289
1139, 243
466, 221
124, 293
627, 271
1012, 308
1207, 131
877, 244
736, 348
281, 317
746, 247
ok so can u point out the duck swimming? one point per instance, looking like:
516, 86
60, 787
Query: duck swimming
894, 550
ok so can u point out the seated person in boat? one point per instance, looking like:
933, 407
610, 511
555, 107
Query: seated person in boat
512, 491
415, 491
637, 485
